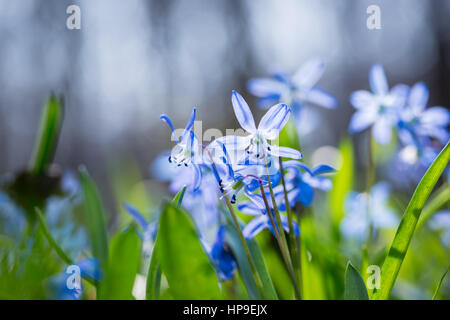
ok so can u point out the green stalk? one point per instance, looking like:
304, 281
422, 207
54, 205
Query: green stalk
274, 203
293, 243
244, 244
241, 235
283, 250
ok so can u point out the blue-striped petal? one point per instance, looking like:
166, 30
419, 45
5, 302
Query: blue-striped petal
242, 112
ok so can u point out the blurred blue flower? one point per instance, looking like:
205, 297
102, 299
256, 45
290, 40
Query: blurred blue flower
222, 257
186, 151
364, 210
65, 286
379, 108
440, 221
149, 229
417, 123
255, 146
257, 208
295, 90
301, 183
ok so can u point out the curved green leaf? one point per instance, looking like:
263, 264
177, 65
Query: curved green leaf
122, 267
405, 231
183, 260
354, 284
47, 138
95, 218
153, 284
50, 238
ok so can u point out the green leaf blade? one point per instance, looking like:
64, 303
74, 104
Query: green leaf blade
48, 135
405, 231
122, 267
183, 260
244, 267
354, 284
95, 218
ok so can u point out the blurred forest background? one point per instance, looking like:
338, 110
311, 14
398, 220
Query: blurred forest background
133, 60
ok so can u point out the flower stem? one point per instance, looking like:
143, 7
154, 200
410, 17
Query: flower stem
274, 203
241, 235
284, 253
292, 241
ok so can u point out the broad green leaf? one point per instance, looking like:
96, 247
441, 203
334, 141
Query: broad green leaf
183, 260
232, 238
95, 218
51, 240
122, 267
342, 182
48, 135
354, 285
405, 231
153, 284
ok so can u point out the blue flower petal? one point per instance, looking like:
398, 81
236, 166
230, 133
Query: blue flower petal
255, 226
285, 152
308, 74
136, 215
418, 96
382, 131
274, 120
378, 81
243, 113
306, 194
322, 98
323, 168
167, 120
190, 124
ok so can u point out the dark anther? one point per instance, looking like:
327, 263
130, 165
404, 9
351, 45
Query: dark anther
170, 159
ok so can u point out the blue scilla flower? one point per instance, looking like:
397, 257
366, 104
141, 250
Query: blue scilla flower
417, 123
186, 151
379, 108
441, 222
364, 210
296, 89
253, 148
200, 200
257, 208
221, 256
301, 183
67, 285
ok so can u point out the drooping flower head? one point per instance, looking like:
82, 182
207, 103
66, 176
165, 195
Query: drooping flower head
378, 109
296, 89
186, 151
364, 210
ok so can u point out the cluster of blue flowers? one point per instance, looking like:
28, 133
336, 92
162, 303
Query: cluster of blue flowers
402, 109
421, 132
241, 168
